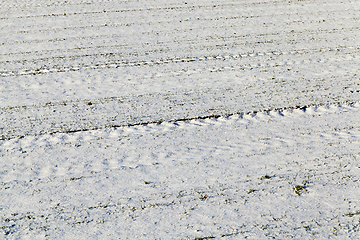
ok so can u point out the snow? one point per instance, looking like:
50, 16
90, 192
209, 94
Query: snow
179, 120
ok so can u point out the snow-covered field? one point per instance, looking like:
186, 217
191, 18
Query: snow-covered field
146, 119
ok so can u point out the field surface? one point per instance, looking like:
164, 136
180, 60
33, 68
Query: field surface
180, 119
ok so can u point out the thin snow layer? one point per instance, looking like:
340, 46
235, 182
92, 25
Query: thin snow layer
68, 66
72, 65
292, 173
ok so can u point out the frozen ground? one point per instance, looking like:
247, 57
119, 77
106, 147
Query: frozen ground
180, 119
281, 174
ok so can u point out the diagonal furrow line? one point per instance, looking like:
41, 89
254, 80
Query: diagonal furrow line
212, 116
187, 7
127, 24
111, 54
52, 40
116, 64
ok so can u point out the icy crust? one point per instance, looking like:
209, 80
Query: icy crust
291, 173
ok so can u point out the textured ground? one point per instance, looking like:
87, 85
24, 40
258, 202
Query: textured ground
84, 86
